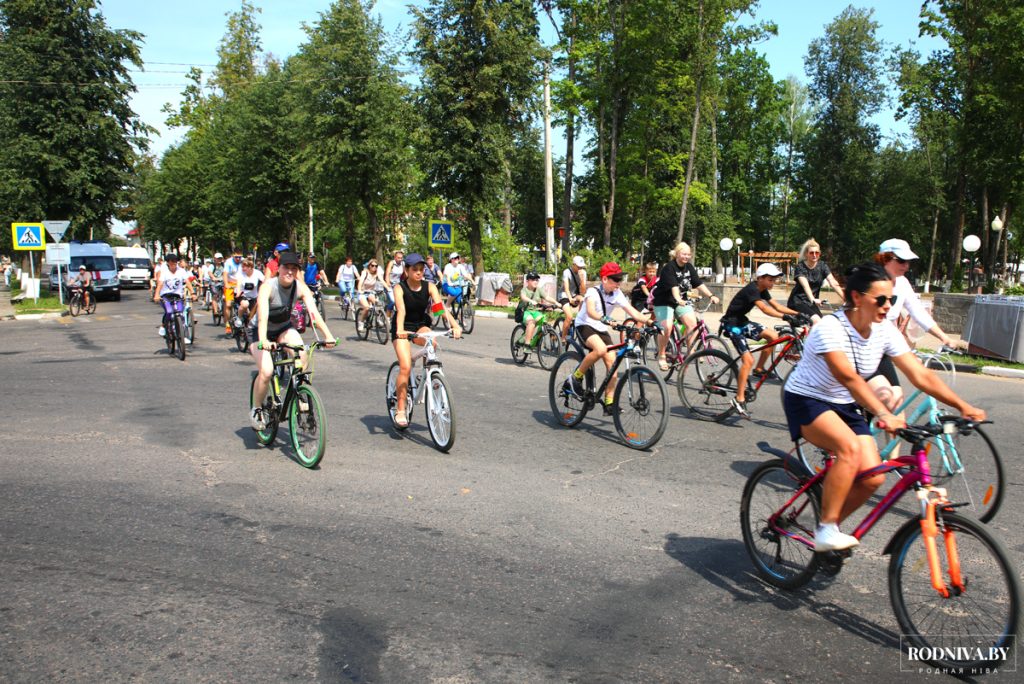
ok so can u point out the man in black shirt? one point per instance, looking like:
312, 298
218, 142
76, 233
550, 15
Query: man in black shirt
739, 328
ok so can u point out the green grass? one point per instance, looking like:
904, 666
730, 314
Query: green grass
46, 304
506, 309
981, 361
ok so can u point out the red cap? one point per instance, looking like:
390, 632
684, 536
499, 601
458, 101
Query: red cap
610, 269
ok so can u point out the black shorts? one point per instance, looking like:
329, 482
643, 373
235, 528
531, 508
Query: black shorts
805, 307
409, 326
801, 411
887, 370
585, 331
563, 300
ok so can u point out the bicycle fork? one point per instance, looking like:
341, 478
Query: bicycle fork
929, 534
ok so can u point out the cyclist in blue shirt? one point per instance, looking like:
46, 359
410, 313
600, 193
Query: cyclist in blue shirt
314, 273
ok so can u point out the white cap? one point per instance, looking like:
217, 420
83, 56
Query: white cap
768, 270
898, 247
579, 261
453, 255
218, 255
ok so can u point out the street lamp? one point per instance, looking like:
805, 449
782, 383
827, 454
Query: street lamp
971, 245
726, 245
739, 259
997, 228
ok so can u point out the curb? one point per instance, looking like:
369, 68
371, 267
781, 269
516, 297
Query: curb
38, 317
1002, 372
492, 314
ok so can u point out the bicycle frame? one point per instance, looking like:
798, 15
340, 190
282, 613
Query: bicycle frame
623, 350
927, 409
916, 475
431, 364
299, 375
787, 338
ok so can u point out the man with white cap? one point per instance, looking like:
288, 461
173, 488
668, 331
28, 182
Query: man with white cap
571, 291
740, 329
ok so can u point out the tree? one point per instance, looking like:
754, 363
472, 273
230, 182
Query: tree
479, 73
69, 137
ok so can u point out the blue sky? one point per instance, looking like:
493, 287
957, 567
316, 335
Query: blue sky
187, 32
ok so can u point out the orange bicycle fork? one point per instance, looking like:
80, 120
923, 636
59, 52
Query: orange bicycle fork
929, 533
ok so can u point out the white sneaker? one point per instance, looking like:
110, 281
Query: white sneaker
161, 332
827, 537
256, 418
188, 340
361, 328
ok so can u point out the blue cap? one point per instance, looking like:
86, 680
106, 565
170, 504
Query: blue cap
281, 247
413, 259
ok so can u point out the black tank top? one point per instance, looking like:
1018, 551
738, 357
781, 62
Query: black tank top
417, 304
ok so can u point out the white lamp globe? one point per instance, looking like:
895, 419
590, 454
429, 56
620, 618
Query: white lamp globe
972, 243
725, 244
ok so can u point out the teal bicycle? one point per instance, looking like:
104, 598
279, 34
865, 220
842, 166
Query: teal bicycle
967, 465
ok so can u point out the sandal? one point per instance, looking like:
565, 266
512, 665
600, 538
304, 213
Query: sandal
401, 419
663, 363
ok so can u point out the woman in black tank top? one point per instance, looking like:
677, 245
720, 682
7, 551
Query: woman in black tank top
415, 301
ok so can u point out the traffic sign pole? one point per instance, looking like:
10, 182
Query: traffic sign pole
56, 229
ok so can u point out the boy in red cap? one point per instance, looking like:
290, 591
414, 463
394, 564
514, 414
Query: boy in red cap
592, 326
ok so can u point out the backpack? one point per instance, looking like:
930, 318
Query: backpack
520, 310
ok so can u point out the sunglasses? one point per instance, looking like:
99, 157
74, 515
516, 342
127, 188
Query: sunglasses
814, 252
902, 261
373, 265
881, 299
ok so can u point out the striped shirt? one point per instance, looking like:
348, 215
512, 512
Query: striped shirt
812, 376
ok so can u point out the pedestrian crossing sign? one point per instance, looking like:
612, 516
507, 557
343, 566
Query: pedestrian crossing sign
441, 234
28, 236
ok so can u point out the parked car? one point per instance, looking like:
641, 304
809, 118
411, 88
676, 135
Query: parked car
133, 266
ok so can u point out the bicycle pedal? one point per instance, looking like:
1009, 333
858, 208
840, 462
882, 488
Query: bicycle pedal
831, 562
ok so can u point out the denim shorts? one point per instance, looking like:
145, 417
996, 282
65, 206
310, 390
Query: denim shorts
740, 334
801, 411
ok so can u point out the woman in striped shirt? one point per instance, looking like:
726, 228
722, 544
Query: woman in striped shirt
826, 390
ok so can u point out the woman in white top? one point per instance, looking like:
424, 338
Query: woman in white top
370, 281
895, 257
823, 392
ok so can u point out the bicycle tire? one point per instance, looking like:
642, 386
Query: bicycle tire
440, 413
517, 344
672, 356
987, 573
367, 320
467, 317
568, 410
269, 433
91, 309
346, 307
75, 305
179, 335
645, 406
707, 383
786, 356
307, 417
192, 328
380, 327
391, 399
978, 481
320, 308
780, 560
241, 339
549, 348
714, 342
169, 336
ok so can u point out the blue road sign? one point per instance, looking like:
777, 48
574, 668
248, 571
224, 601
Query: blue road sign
442, 234
28, 236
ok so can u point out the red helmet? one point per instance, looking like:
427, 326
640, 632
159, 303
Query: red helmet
610, 269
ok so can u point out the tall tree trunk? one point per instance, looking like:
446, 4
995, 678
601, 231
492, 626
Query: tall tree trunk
689, 165
983, 257
613, 154
931, 252
714, 153
600, 151
570, 144
350, 231
958, 225
374, 226
789, 175
476, 250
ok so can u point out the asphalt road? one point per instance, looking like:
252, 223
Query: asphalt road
146, 535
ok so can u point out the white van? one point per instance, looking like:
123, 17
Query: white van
98, 258
133, 266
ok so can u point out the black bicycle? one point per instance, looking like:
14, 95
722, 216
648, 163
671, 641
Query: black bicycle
75, 303
462, 311
175, 329
640, 407
291, 397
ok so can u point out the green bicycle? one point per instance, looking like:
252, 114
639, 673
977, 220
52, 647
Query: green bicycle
291, 397
546, 341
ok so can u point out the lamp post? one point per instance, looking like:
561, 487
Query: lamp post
971, 245
739, 259
726, 246
997, 228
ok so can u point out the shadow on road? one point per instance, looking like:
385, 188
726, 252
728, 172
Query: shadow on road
725, 564
546, 419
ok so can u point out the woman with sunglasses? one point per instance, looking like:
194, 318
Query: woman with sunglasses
823, 392
370, 281
895, 256
810, 274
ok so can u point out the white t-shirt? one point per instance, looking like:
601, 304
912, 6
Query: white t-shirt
395, 272
347, 273
611, 301
906, 297
452, 273
174, 283
812, 376
249, 286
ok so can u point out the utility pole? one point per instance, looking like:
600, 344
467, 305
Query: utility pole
311, 226
549, 193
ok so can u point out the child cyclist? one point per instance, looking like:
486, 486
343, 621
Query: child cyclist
534, 298
740, 329
415, 300
592, 325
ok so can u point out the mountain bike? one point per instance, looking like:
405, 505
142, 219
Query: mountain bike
190, 322
174, 325
240, 329
951, 583
75, 303
427, 386
217, 301
346, 303
462, 310
547, 341
291, 397
709, 378
376, 318
318, 298
207, 296
640, 406
676, 351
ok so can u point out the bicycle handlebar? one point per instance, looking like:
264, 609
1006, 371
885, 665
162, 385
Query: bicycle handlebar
297, 347
947, 425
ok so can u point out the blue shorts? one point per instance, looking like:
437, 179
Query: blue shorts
451, 291
740, 334
346, 286
801, 411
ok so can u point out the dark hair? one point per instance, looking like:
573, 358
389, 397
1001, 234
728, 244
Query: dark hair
859, 278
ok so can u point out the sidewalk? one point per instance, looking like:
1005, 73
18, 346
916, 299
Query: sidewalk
6, 308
